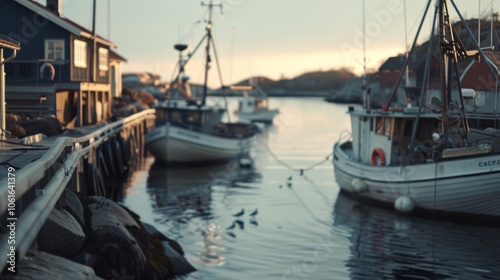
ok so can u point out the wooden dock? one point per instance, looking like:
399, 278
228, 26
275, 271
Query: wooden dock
33, 177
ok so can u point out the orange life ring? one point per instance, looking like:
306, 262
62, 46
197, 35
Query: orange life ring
377, 152
51, 70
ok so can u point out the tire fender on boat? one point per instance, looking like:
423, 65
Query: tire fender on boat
358, 185
378, 152
404, 204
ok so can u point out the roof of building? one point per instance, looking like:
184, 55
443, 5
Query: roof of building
63, 22
393, 63
6, 42
115, 56
493, 56
397, 62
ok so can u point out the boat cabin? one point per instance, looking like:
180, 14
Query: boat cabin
250, 104
186, 114
383, 137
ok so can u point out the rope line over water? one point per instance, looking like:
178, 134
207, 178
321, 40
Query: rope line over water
301, 170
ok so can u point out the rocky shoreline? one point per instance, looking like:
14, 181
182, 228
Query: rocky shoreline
92, 237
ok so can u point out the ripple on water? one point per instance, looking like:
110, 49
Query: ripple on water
304, 228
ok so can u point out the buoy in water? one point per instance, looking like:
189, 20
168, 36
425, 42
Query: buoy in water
245, 163
358, 185
404, 204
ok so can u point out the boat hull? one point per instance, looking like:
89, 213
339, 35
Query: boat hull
259, 116
462, 186
171, 144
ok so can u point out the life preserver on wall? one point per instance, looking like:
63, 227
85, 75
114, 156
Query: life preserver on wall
51, 68
378, 152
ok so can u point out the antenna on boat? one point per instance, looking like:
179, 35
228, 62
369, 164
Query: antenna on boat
479, 24
209, 40
492, 28
365, 92
407, 72
180, 48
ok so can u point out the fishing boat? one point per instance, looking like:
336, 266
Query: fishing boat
190, 131
254, 106
423, 156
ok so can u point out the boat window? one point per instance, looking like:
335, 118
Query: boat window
206, 117
408, 129
193, 117
162, 115
396, 127
176, 117
261, 104
388, 126
379, 124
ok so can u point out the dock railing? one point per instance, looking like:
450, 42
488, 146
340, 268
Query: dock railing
46, 179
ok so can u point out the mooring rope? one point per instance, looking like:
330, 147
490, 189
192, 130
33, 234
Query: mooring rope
309, 209
301, 170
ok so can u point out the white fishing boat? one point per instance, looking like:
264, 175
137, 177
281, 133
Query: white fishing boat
254, 106
190, 131
423, 156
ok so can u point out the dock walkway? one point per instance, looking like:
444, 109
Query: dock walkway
34, 176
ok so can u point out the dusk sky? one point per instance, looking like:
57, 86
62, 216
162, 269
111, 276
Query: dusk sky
277, 38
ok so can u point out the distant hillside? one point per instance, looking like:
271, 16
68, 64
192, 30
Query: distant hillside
312, 82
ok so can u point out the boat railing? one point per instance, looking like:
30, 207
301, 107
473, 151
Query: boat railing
344, 136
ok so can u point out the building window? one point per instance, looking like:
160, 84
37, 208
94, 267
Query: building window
103, 59
80, 55
54, 49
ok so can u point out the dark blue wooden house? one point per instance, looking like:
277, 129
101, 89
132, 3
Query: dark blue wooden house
62, 68
6, 43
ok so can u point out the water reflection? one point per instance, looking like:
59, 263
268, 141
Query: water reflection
183, 202
386, 245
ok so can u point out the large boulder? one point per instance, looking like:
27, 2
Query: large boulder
61, 234
74, 207
43, 266
118, 242
109, 242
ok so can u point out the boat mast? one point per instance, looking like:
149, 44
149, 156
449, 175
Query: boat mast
492, 28
451, 50
407, 70
444, 87
209, 39
94, 44
365, 95
479, 24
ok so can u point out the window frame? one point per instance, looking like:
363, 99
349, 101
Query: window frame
80, 53
103, 57
53, 50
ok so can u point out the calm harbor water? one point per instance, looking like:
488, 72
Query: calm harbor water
304, 229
